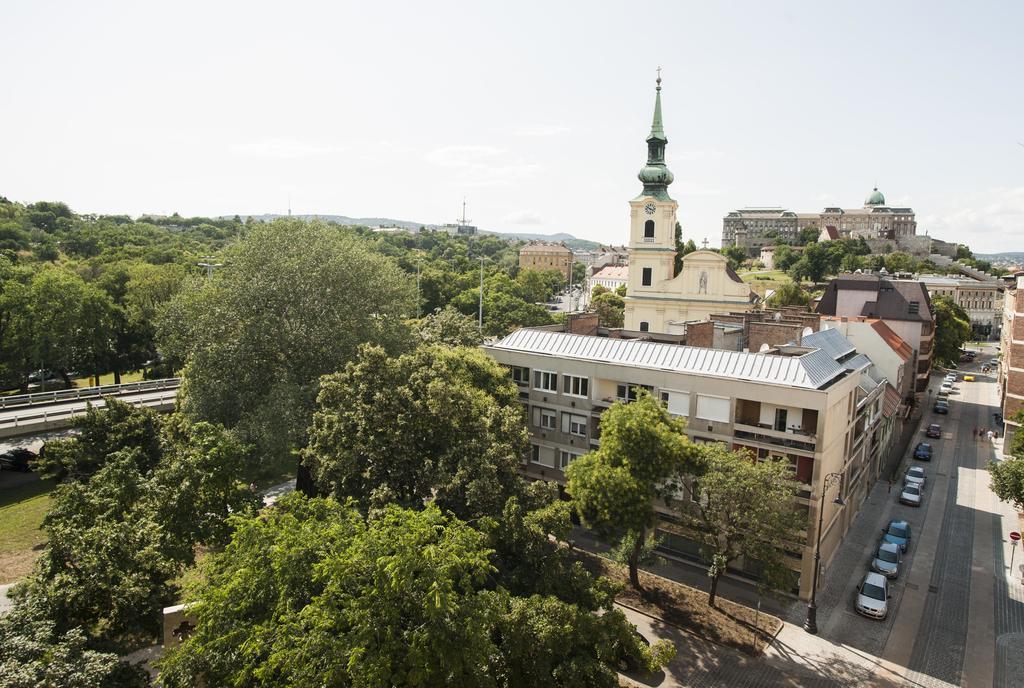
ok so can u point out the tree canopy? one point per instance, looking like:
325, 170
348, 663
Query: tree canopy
293, 302
454, 431
310, 594
952, 329
613, 488
740, 507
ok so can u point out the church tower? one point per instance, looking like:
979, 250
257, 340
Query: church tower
652, 244
658, 300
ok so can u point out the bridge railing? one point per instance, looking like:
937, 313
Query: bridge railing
36, 398
30, 416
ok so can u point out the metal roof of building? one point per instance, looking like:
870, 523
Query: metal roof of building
831, 341
812, 370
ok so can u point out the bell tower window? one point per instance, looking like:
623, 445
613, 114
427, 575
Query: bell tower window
645, 280
649, 229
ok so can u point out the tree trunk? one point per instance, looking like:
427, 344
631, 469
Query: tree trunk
66, 378
304, 482
117, 376
634, 561
714, 589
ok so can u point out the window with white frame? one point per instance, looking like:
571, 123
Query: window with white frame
545, 418
575, 386
713, 408
545, 380
574, 424
677, 403
543, 456
520, 375
566, 457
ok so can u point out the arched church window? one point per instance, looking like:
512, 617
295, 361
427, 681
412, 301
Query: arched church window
649, 229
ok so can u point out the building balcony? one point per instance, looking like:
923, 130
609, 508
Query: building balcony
792, 438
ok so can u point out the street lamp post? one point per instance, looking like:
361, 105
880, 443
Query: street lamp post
811, 623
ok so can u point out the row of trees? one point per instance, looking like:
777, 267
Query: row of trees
84, 294
731, 505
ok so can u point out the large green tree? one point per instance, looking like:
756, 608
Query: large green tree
455, 431
311, 594
610, 309
135, 501
952, 329
738, 507
615, 487
293, 303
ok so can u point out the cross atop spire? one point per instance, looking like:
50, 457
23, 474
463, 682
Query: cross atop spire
658, 80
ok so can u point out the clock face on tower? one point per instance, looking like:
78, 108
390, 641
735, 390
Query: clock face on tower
650, 208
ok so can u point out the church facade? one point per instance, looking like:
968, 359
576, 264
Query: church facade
657, 299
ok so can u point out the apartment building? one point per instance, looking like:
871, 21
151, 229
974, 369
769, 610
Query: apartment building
539, 255
1011, 364
903, 305
980, 299
818, 406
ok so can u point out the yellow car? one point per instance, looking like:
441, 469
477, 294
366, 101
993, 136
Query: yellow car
968, 378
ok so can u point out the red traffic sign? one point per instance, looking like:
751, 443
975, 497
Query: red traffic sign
1015, 536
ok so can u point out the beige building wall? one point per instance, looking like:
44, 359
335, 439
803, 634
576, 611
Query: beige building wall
547, 257
824, 420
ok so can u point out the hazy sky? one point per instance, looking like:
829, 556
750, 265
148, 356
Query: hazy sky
536, 112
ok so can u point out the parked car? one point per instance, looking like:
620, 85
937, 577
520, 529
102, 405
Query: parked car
887, 560
16, 460
941, 406
911, 494
898, 533
873, 596
934, 430
914, 476
946, 388
923, 451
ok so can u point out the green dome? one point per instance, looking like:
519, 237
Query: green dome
655, 174
875, 198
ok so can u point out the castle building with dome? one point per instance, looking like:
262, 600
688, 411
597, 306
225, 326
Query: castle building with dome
755, 228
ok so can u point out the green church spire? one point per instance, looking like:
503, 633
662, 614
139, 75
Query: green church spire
655, 175
657, 130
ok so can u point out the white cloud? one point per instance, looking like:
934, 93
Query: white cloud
285, 148
988, 221
683, 187
522, 217
477, 166
693, 155
535, 130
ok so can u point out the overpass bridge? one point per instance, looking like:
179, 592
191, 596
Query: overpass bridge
27, 414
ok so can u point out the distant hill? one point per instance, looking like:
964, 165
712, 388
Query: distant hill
569, 239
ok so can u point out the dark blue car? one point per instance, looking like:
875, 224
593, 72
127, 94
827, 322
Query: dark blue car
898, 533
923, 451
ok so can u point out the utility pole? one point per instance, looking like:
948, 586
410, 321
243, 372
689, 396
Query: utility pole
210, 267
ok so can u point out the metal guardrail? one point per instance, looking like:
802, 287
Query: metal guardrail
34, 417
37, 398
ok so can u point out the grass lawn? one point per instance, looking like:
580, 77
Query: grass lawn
776, 276
108, 379
22, 508
727, 623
